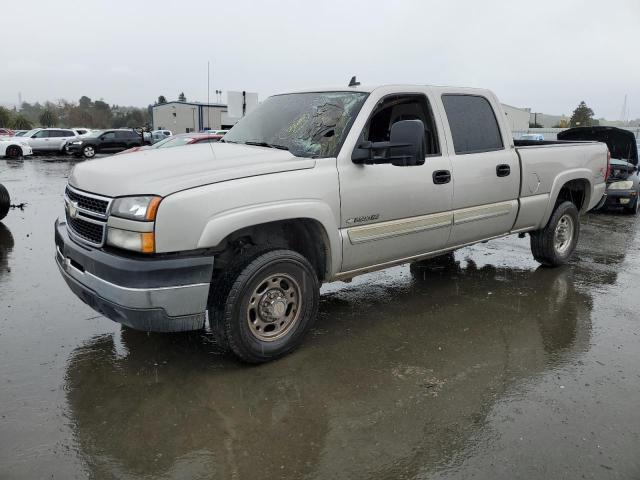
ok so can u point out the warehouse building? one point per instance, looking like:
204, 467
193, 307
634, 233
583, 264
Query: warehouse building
518, 118
186, 117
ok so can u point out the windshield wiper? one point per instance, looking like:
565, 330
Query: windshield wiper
265, 144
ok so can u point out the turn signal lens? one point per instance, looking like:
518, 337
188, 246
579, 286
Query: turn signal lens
148, 242
152, 209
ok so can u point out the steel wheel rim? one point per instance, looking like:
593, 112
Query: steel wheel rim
274, 307
89, 152
563, 235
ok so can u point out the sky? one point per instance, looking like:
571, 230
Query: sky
545, 55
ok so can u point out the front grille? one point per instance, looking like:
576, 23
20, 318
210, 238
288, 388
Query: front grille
88, 203
89, 231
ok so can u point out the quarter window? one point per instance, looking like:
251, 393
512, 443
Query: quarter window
473, 124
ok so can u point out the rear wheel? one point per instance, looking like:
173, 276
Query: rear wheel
5, 202
554, 244
264, 305
14, 151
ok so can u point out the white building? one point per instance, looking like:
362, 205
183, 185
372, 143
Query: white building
518, 118
185, 117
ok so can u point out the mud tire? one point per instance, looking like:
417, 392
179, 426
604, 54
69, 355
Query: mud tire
543, 242
233, 290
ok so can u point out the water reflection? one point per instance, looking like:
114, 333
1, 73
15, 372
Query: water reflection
396, 377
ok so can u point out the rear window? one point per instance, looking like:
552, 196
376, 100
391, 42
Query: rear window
473, 124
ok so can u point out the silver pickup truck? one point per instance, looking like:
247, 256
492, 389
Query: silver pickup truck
312, 187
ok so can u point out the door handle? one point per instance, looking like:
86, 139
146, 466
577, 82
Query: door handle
440, 177
503, 170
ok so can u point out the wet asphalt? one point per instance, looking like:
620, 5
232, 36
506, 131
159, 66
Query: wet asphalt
486, 367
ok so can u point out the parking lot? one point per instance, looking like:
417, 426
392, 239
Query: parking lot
487, 367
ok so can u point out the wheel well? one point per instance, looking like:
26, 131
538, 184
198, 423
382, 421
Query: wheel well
303, 235
574, 191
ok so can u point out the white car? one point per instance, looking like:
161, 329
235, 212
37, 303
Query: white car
14, 147
49, 139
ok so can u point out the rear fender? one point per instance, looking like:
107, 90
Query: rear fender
560, 181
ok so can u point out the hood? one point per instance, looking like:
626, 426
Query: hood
622, 143
163, 171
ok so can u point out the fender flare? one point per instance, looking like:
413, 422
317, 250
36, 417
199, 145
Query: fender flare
223, 224
560, 181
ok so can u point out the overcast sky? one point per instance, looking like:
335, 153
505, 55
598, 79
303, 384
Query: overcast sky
547, 55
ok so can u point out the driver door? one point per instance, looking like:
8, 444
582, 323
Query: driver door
388, 212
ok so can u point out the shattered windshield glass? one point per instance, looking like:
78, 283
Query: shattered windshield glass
307, 124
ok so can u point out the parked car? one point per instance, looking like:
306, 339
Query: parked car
6, 132
104, 141
312, 187
14, 147
538, 137
623, 184
177, 141
48, 140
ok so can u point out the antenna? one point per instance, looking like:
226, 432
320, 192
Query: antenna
353, 82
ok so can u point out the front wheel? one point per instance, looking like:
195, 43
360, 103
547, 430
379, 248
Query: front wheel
14, 152
554, 244
89, 151
264, 306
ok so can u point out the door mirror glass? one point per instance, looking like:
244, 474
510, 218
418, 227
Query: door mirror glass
406, 146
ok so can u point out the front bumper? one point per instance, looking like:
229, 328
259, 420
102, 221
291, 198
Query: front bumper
157, 295
73, 149
620, 198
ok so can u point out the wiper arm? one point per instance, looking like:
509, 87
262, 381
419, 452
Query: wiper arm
265, 144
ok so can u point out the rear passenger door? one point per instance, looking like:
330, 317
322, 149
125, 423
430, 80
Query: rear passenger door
485, 168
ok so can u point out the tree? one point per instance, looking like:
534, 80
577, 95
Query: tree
48, 118
582, 116
162, 99
5, 117
20, 122
181, 97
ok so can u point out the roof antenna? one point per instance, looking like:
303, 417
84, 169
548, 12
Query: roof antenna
353, 82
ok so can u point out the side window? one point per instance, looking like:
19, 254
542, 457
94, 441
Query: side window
65, 133
473, 124
109, 136
42, 134
402, 107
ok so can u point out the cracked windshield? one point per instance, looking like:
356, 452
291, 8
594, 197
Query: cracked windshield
307, 124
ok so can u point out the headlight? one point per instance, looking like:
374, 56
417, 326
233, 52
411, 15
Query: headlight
625, 185
137, 241
136, 208
24, 144
79, 142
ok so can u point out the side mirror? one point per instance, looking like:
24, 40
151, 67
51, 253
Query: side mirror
406, 147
